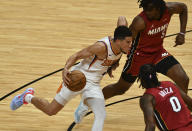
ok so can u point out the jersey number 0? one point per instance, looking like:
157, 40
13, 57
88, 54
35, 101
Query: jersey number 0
176, 106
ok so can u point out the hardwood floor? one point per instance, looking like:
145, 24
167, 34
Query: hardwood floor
38, 36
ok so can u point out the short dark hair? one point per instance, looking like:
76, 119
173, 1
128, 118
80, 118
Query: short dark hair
158, 4
121, 32
148, 76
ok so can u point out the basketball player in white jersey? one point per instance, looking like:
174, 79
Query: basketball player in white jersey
97, 59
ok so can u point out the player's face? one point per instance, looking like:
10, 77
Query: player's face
151, 12
126, 45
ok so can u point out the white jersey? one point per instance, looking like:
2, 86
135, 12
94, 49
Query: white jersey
93, 68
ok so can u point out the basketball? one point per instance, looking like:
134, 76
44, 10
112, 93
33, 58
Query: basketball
78, 81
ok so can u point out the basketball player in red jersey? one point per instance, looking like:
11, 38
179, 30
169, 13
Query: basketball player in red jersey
162, 103
149, 30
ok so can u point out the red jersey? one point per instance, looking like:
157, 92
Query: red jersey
151, 39
170, 110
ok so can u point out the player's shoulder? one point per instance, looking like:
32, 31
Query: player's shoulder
138, 20
138, 23
103, 41
104, 38
167, 82
101, 45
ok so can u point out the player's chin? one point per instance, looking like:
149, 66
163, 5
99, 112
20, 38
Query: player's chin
125, 52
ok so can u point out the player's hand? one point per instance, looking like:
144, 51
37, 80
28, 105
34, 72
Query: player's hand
66, 79
180, 39
112, 68
122, 21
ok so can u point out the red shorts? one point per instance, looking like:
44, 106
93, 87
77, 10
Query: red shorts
185, 128
140, 59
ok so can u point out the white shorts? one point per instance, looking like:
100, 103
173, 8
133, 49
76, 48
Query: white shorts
91, 90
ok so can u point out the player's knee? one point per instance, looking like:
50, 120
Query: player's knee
185, 79
120, 89
183, 82
104, 114
121, 92
51, 112
100, 115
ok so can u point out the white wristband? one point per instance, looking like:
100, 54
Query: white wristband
181, 33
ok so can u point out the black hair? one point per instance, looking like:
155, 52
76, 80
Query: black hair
121, 32
148, 76
158, 4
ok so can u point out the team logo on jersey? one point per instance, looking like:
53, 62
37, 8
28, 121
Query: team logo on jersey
165, 54
158, 29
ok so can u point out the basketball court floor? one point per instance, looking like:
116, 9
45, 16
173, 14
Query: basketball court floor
37, 37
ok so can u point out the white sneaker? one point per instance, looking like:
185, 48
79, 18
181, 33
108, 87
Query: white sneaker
80, 112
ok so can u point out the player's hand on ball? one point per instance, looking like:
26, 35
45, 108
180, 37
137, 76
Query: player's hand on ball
180, 39
66, 79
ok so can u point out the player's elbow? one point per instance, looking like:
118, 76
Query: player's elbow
120, 89
183, 7
51, 113
122, 21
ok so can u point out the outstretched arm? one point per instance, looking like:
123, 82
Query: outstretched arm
97, 49
146, 104
181, 9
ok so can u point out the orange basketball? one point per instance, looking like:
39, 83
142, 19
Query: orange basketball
78, 81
